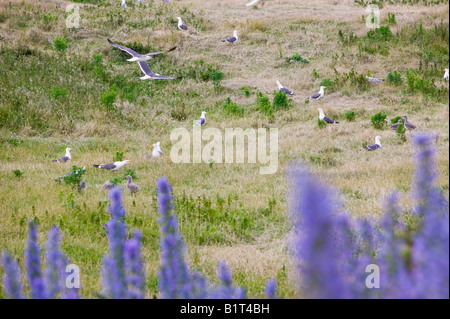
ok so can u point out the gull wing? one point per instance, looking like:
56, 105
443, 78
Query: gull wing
125, 49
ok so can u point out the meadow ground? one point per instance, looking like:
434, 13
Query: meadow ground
69, 88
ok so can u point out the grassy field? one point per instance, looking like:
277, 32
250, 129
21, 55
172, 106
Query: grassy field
64, 87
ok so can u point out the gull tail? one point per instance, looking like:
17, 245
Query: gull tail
171, 49
96, 166
55, 161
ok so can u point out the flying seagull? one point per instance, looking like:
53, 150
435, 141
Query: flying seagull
374, 80
394, 127
65, 158
408, 124
156, 151
375, 146
108, 185
136, 56
282, 88
201, 120
324, 118
124, 4
132, 187
319, 94
113, 166
181, 26
446, 76
254, 2
233, 39
81, 186
150, 75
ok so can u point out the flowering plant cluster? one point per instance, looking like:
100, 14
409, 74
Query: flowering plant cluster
332, 250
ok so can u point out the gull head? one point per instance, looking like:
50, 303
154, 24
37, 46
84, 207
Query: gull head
235, 33
377, 140
322, 88
203, 114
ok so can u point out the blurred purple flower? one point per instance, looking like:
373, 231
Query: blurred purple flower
134, 267
12, 278
33, 265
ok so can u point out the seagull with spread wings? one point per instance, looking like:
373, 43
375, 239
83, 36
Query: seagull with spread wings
136, 57
150, 75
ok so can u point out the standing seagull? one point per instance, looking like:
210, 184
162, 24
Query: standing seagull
233, 39
156, 151
136, 57
124, 4
282, 88
181, 26
82, 186
319, 94
374, 80
408, 124
375, 146
324, 118
201, 120
394, 127
132, 187
113, 166
446, 76
65, 158
150, 75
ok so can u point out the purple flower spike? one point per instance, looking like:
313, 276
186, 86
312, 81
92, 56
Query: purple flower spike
12, 278
33, 265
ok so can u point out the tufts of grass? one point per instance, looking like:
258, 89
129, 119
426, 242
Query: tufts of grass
378, 120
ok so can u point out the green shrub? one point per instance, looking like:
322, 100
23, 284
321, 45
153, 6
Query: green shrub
321, 123
17, 173
130, 172
383, 33
118, 157
395, 119
350, 116
263, 103
75, 176
379, 120
296, 58
232, 107
280, 100
216, 78
57, 93
401, 130
98, 58
60, 43
116, 181
394, 78
391, 19
327, 82
108, 98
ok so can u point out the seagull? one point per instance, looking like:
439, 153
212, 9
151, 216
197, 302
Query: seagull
408, 124
132, 187
446, 76
156, 151
113, 166
65, 158
136, 56
254, 2
108, 185
282, 88
324, 118
150, 75
394, 127
319, 94
375, 146
201, 120
374, 80
124, 4
233, 39
82, 186
181, 26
